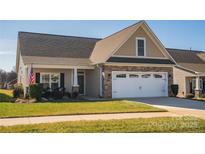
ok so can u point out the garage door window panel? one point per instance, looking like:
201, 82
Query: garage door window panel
121, 76
158, 76
133, 76
146, 75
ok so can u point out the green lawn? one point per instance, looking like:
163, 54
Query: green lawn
147, 125
5, 95
44, 109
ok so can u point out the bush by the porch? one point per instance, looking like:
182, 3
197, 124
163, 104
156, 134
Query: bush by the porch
18, 91
35, 91
190, 95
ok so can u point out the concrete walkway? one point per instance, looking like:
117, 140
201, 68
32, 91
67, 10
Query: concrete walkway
50, 119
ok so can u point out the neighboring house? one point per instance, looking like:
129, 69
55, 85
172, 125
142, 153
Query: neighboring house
189, 73
129, 63
10, 85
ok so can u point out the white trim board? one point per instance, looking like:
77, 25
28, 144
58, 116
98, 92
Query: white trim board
62, 66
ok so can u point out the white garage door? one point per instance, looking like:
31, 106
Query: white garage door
135, 84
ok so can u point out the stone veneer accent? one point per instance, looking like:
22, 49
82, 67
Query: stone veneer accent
107, 82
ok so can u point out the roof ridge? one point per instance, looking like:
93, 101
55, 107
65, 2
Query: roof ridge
123, 29
59, 35
186, 50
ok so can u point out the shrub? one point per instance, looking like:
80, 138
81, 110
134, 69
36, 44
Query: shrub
36, 91
175, 89
18, 91
58, 93
68, 94
46, 93
203, 95
190, 96
75, 94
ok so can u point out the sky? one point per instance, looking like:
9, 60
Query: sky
173, 34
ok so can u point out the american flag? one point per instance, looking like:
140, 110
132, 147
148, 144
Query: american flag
31, 76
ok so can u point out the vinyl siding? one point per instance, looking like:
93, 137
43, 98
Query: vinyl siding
129, 47
180, 79
93, 82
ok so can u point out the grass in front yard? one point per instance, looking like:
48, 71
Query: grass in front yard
146, 125
74, 108
5, 95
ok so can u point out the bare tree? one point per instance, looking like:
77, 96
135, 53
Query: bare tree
3, 76
7, 76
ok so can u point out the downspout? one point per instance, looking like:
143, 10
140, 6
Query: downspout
100, 69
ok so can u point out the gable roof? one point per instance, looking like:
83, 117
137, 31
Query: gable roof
48, 45
106, 47
191, 60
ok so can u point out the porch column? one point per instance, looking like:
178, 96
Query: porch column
75, 77
75, 86
198, 89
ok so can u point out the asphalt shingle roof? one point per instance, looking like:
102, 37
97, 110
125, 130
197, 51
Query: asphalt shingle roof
48, 45
190, 59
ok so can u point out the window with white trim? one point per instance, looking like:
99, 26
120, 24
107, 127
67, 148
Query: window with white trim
45, 80
50, 80
140, 47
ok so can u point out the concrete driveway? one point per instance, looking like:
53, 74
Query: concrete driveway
182, 107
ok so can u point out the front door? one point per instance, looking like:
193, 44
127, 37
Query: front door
81, 82
203, 85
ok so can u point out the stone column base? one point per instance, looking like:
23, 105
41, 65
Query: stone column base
75, 91
75, 88
198, 93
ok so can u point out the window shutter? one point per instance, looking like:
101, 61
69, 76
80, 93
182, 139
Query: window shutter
37, 77
62, 80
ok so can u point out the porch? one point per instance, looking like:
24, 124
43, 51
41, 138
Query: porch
195, 85
84, 80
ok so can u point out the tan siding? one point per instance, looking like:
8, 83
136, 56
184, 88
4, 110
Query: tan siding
22, 74
93, 82
104, 48
67, 75
180, 79
129, 47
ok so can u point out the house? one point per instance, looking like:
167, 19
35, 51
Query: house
129, 63
189, 72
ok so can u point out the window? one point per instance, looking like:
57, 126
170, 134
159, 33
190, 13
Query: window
146, 75
50, 80
157, 76
121, 76
140, 46
133, 76
45, 80
55, 81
